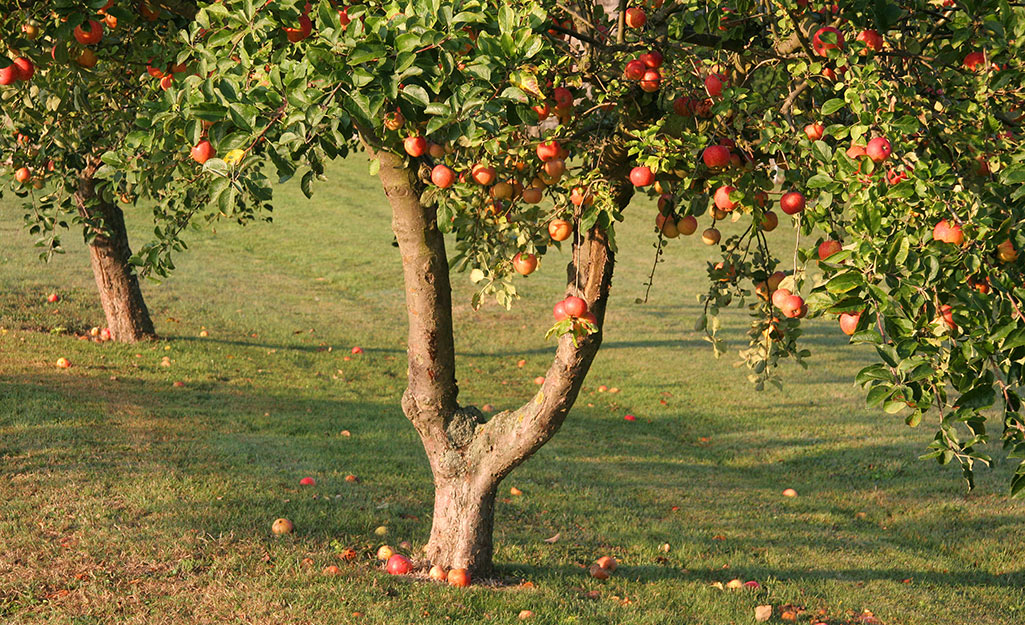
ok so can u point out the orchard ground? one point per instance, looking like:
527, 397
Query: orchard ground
126, 499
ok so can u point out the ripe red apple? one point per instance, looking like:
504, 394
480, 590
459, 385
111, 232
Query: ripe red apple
792, 203
769, 221
819, 43
559, 311
597, 572
947, 314
814, 131
608, 563
548, 150
399, 564
716, 156
878, 149
282, 526
22, 174
53, 298
829, 247
856, 151
415, 146
1006, 252
634, 70
948, 232
202, 151
8, 75
23, 69
651, 59
775, 279
722, 198
687, 225
779, 297
975, 60
713, 85
483, 175
560, 229
296, 35
524, 264
307, 481
651, 81
63, 363
563, 97
105, 334
438, 574
91, 36
442, 176
872, 39
641, 176
635, 17
793, 306
574, 306
849, 322
394, 120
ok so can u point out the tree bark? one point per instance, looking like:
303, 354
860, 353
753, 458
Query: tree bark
125, 310
469, 456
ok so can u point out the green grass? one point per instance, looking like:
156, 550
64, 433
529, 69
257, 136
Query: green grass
124, 499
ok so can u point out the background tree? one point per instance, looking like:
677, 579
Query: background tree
72, 78
886, 131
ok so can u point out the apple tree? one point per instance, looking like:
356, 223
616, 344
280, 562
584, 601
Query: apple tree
73, 76
883, 137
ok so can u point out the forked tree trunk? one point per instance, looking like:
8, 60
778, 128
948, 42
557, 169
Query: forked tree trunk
125, 310
468, 455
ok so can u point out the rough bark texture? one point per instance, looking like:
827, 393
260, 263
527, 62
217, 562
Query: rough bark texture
468, 455
127, 316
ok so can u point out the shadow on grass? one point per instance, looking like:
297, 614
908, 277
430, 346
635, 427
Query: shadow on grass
221, 461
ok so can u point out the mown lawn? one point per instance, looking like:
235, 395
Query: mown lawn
125, 499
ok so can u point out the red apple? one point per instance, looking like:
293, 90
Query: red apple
460, 578
878, 149
722, 198
399, 564
713, 85
975, 61
641, 176
415, 146
202, 151
716, 156
574, 306
483, 175
524, 264
651, 81
53, 298
872, 39
792, 203
559, 311
442, 176
91, 36
23, 68
779, 297
634, 70
548, 150
651, 59
635, 17
793, 306
438, 574
814, 131
829, 247
282, 526
687, 225
296, 35
948, 232
769, 221
307, 481
821, 45
849, 322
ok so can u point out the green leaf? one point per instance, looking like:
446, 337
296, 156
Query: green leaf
845, 282
832, 106
416, 94
818, 181
978, 398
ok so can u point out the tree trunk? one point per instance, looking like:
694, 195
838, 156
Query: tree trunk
469, 456
464, 518
127, 316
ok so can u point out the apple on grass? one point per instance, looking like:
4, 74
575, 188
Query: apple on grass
307, 481
282, 526
459, 578
53, 298
399, 564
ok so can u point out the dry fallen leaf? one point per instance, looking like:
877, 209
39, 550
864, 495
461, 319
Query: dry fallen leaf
763, 613
553, 539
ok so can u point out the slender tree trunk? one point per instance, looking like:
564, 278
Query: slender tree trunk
468, 455
125, 310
